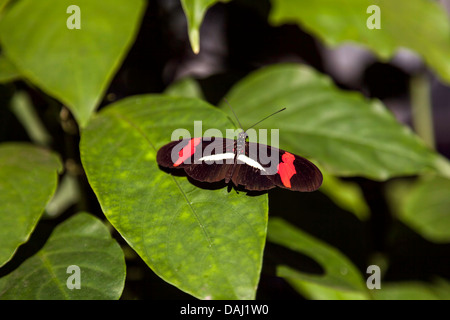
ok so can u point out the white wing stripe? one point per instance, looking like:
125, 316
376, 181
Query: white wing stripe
216, 157
250, 162
229, 155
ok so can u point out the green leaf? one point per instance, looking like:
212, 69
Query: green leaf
341, 279
195, 12
208, 243
28, 178
186, 87
82, 241
347, 134
73, 65
3, 4
414, 290
426, 209
419, 25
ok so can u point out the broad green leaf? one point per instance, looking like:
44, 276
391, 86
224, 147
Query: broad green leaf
3, 4
426, 209
341, 279
186, 87
82, 241
420, 25
195, 11
28, 178
208, 243
346, 133
413, 290
73, 65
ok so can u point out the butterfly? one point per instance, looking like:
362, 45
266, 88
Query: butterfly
254, 166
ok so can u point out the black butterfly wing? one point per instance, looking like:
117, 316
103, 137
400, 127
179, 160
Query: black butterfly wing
187, 154
251, 178
296, 173
250, 172
176, 153
270, 167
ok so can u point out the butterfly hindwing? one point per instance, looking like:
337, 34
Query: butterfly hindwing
251, 178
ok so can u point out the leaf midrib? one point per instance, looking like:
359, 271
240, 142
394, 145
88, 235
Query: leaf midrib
48, 266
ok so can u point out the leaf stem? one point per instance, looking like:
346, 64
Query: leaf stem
422, 113
23, 109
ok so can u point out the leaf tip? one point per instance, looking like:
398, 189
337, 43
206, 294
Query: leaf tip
194, 38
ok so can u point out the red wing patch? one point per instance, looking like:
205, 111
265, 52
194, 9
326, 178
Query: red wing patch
286, 169
187, 151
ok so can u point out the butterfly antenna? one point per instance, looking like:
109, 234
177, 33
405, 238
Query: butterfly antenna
266, 118
240, 125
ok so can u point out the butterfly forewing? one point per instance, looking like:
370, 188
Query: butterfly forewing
296, 173
203, 159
